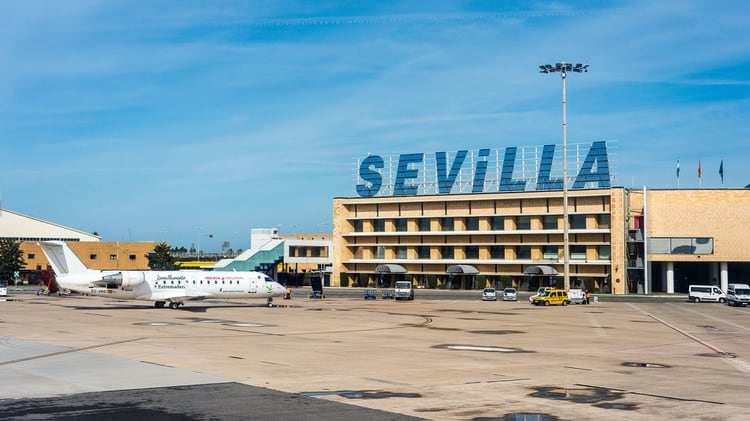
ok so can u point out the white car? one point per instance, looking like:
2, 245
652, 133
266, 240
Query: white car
489, 294
510, 294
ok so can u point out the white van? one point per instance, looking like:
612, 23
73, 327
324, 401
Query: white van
738, 295
404, 290
698, 293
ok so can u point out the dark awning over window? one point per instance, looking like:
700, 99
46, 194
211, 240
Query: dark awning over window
390, 268
462, 270
540, 270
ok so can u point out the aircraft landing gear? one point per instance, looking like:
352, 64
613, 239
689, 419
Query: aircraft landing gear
159, 304
269, 303
174, 305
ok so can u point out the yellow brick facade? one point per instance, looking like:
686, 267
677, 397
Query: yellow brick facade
606, 240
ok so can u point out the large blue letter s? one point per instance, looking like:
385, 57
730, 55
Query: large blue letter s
370, 175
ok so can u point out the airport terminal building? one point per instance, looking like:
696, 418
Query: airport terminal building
494, 217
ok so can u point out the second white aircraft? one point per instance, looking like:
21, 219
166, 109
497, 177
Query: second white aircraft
161, 287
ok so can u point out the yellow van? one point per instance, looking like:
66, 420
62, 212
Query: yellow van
553, 297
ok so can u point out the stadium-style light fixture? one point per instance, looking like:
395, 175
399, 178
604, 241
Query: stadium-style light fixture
563, 68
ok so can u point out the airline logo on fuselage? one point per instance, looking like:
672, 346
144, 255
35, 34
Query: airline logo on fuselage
170, 277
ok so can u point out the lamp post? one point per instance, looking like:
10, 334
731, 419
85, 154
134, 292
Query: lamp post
564, 68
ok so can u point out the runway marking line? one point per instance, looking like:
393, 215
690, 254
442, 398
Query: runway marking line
739, 363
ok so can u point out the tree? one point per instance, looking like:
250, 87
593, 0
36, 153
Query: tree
11, 259
160, 258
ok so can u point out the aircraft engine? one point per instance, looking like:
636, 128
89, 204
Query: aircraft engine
124, 280
132, 279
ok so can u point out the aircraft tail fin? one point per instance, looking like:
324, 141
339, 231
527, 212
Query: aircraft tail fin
61, 258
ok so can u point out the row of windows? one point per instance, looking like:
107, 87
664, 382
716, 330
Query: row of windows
32, 256
308, 251
473, 223
548, 252
230, 282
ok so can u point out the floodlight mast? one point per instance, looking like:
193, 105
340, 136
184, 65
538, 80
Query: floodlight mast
564, 68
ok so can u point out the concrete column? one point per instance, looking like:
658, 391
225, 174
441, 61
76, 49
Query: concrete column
715, 274
670, 277
724, 277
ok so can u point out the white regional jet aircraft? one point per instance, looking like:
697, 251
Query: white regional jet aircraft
174, 287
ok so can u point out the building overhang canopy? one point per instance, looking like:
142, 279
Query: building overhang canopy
540, 270
462, 270
390, 268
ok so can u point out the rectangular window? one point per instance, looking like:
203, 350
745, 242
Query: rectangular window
424, 224
446, 252
604, 221
472, 252
401, 252
550, 252
379, 225
131, 257
112, 257
31, 256
604, 252
400, 224
523, 222
472, 223
423, 252
380, 252
92, 256
497, 252
550, 222
357, 225
497, 223
577, 252
523, 252
577, 222
447, 223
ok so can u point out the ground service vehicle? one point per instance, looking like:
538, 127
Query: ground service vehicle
3, 288
552, 297
404, 290
577, 296
539, 291
316, 285
738, 295
698, 293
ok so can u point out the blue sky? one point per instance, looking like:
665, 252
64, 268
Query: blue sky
171, 120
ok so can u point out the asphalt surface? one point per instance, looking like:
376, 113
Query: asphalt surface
342, 357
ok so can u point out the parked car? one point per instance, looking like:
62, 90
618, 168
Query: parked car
489, 294
510, 294
552, 297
